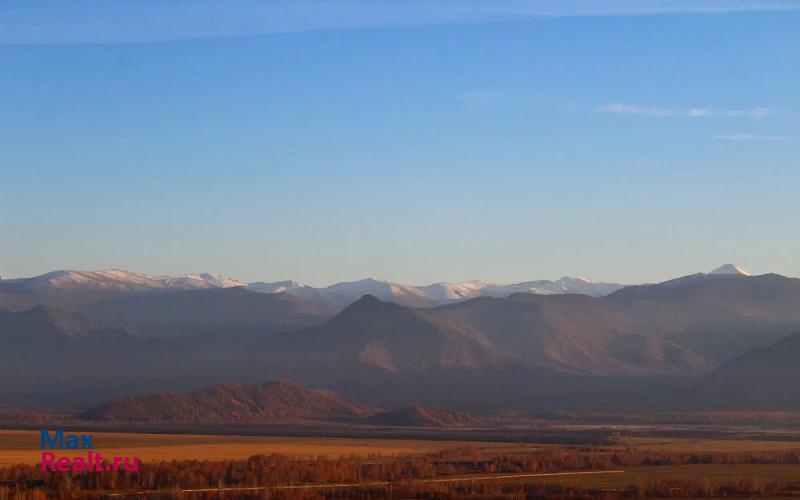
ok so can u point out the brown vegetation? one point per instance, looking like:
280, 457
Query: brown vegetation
462, 472
232, 403
425, 416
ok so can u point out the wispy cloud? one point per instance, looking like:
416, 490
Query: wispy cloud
632, 109
751, 137
748, 113
696, 112
112, 21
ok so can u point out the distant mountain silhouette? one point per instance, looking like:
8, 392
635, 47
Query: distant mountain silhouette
45, 326
61, 358
765, 378
176, 313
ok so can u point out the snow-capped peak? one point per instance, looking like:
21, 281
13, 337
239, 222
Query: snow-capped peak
574, 279
454, 291
339, 294
729, 269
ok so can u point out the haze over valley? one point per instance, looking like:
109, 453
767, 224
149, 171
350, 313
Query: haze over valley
712, 340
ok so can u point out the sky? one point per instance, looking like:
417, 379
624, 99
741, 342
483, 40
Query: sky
413, 141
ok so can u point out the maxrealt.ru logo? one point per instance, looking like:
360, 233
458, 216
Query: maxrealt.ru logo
91, 462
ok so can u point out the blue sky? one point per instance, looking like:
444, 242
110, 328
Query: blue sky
419, 144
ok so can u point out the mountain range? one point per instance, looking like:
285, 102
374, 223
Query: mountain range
633, 346
342, 294
72, 289
683, 326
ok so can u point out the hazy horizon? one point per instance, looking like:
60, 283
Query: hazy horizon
552, 277
416, 144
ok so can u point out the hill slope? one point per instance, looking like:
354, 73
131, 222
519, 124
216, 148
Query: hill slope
231, 403
767, 378
424, 416
59, 357
377, 334
171, 314
45, 326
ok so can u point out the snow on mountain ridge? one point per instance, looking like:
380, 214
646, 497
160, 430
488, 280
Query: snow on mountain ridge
121, 280
338, 294
454, 291
350, 291
730, 269
434, 294
285, 286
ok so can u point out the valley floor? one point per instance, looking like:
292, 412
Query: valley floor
21, 443
627, 464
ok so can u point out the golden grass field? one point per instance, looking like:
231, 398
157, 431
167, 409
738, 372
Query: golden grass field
23, 446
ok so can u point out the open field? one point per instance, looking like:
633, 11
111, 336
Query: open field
23, 446
654, 466
639, 474
688, 445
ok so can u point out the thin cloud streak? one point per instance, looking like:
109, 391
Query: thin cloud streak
108, 21
751, 137
699, 112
